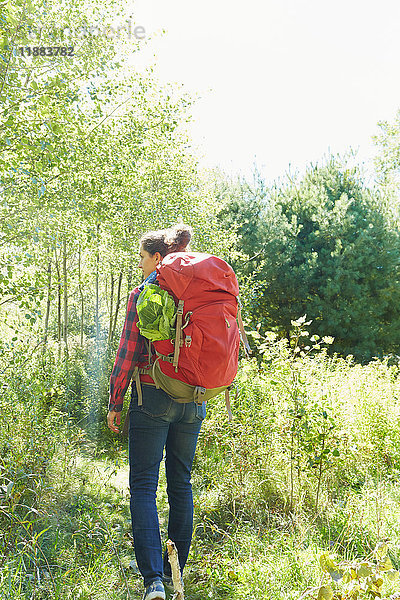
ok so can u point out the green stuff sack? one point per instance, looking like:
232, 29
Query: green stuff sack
157, 313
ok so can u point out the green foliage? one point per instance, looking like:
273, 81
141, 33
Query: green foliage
308, 430
65, 502
242, 210
357, 579
325, 246
387, 161
91, 156
298, 431
312, 423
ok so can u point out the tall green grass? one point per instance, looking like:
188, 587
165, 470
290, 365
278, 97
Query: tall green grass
309, 464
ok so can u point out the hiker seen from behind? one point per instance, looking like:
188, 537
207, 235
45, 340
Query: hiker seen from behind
180, 346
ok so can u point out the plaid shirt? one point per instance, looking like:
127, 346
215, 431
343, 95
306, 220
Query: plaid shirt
132, 350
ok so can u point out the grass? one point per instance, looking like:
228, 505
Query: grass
80, 546
258, 532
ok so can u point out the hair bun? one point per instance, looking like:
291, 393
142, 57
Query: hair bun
164, 241
178, 237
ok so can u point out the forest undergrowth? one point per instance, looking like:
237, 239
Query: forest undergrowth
297, 497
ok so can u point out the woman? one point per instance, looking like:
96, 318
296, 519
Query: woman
160, 422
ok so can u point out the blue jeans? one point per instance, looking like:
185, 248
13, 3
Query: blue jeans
161, 423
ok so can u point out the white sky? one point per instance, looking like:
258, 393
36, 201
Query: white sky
281, 81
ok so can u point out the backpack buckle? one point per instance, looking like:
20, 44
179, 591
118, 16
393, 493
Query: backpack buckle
187, 319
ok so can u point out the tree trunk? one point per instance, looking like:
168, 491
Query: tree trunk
81, 293
65, 319
58, 297
117, 305
111, 310
97, 289
129, 281
46, 319
319, 475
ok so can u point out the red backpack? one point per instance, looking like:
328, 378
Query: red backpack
202, 361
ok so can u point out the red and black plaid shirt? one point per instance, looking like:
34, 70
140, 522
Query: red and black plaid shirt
132, 351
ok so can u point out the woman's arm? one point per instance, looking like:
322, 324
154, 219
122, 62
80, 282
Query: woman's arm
131, 351
114, 419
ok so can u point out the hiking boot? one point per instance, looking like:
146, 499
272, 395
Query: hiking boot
155, 591
167, 581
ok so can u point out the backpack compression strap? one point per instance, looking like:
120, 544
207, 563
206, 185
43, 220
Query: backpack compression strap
178, 334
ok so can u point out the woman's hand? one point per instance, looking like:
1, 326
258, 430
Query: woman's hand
112, 418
